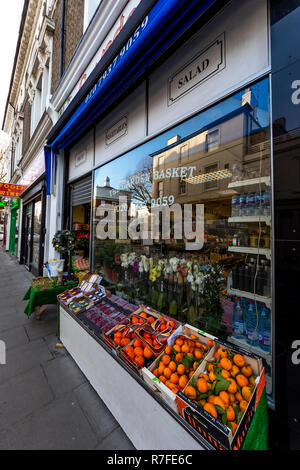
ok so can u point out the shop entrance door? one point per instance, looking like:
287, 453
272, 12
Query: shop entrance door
27, 236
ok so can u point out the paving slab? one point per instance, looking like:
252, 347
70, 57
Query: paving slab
99, 416
14, 337
61, 425
116, 440
22, 395
63, 375
24, 358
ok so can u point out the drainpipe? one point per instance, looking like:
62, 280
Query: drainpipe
62, 37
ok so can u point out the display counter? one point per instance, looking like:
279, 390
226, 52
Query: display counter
149, 422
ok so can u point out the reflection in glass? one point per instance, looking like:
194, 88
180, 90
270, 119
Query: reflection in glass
218, 161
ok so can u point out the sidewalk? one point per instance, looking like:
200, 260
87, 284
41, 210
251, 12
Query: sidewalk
45, 400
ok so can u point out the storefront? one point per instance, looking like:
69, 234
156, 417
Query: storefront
33, 227
181, 210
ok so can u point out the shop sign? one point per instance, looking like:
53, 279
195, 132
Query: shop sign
11, 190
203, 67
80, 159
109, 39
116, 131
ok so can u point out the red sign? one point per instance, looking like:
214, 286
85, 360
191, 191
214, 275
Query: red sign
11, 190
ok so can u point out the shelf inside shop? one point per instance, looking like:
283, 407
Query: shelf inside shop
251, 250
264, 180
250, 295
251, 218
267, 356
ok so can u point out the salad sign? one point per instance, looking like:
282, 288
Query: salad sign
11, 190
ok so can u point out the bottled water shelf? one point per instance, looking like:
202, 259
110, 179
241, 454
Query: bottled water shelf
264, 180
251, 296
248, 249
253, 349
251, 218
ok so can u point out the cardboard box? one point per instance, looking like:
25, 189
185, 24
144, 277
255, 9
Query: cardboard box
156, 385
213, 430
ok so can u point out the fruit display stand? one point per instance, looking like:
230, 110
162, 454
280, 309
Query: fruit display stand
147, 419
39, 299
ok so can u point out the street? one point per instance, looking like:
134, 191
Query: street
46, 403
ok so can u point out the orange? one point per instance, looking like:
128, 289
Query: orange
198, 354
202, 385
247, 370
225, 363
212, 376
246, 393
211, 409
230, 413
238, 397
185, 348
242, 380
162, 327
195, 365
171, 324
193, 337
129, 351
219, 402
118, 341
124, 341
231, 398
198, 345
232, 387
191, 392
139, 360
161, 368
211, 399
147, 353
252, 380
137, 343
210, 367
221, 352
239, 360
167, 372
191, 373
234, 426
156, 372
134, 320
243, 405
181, 369
173, 387
210, 343
179, 357
179, 341
183, 380
203, 376
166, 359
174, 379
162, 378
138, 351
172, 365
235, 370
143, 314
151, 320
177, 348
225, 373
224, 397
168, 350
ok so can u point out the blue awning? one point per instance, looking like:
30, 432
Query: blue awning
165, 23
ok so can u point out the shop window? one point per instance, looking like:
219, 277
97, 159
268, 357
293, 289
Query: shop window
195, 232
90, 7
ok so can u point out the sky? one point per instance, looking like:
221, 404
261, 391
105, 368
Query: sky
10, 18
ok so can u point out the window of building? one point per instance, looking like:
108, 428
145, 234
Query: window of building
211, 176
212, 141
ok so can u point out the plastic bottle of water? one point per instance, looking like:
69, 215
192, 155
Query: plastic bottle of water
238, 320
250, 204
251, 325
242, 210
264, 331
235, 205
256, 204
266, 203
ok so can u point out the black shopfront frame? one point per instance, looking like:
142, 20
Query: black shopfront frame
30, 197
